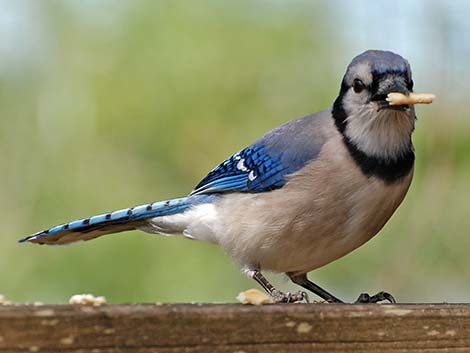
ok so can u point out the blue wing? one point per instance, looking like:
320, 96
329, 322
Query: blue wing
251, 169
264, 165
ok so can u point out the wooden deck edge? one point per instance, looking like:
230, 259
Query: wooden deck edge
200, 328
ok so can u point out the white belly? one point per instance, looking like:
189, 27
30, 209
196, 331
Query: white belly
325, 212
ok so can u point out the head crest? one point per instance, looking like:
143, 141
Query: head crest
381, 61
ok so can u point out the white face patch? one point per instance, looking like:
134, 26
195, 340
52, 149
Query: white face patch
380, 133
361, 71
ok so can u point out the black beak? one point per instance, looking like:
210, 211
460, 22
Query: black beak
387, 86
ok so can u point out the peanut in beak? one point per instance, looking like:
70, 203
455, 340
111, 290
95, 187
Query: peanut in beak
395, 98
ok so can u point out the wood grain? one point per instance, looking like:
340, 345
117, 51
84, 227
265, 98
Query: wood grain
233, 328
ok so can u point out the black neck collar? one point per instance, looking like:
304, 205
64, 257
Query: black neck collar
387, 169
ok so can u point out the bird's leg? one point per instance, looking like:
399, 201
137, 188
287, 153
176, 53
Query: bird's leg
303, 281
364, 298
277, 295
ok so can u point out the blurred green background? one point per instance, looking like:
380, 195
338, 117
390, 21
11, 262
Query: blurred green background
108, 104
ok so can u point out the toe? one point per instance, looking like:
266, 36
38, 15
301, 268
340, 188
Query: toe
365, 298
381, 296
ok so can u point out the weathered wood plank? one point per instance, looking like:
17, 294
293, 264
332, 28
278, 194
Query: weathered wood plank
146, 328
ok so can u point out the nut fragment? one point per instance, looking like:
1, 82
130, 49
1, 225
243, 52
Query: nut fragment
4, 301
254, 297
87, 299
396, 98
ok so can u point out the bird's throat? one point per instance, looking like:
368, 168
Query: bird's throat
380, 145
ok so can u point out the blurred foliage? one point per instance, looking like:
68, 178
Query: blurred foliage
115, 103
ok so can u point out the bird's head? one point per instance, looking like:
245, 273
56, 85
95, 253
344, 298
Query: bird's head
371, 76
361, 111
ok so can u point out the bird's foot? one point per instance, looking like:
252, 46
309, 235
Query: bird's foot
281, 297
276, 295
365, 298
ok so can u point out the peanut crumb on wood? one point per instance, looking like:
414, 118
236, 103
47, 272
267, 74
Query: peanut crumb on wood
254, 297
87, 299
3, 300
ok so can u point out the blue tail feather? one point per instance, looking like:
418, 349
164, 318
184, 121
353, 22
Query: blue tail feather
112, 222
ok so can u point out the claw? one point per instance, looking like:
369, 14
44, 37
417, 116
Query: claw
365, 298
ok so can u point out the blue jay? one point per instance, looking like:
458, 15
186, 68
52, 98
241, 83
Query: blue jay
305, 194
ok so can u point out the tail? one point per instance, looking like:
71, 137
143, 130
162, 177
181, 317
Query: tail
112, 222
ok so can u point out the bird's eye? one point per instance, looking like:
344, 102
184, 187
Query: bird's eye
358, 85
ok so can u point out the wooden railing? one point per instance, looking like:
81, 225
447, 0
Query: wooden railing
218, 328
